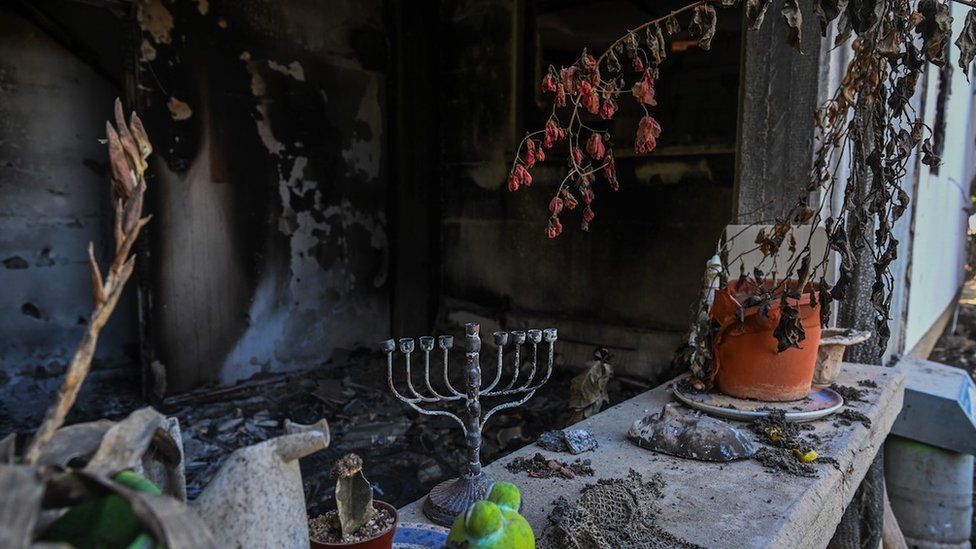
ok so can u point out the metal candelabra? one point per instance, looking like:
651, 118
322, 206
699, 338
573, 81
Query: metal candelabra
451, 498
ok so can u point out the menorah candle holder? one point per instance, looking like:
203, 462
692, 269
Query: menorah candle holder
450, 498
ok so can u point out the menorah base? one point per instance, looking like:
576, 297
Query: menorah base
452, 497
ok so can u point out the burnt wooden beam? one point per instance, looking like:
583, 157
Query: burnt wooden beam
777, 101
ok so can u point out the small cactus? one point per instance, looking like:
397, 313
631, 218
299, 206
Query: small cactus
354, 495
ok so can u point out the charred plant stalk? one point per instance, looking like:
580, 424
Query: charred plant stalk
128, 149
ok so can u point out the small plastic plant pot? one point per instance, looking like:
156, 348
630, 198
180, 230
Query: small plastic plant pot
830, 355
747, 363
383, 540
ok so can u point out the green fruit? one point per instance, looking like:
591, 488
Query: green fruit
494, 523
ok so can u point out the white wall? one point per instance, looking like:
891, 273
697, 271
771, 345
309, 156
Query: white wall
940, 204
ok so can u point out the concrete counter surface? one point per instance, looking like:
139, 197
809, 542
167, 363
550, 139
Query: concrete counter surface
724, 505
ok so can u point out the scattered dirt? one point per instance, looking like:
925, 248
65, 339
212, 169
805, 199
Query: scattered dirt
850, 394
783, 460
539, 466
868, 383
849, 417
784, 439
325, 528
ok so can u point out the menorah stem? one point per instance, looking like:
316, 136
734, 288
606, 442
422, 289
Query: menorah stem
473, 371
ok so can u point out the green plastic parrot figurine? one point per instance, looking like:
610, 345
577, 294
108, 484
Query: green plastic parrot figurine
494, 523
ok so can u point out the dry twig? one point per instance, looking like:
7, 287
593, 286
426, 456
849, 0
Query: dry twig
128, 148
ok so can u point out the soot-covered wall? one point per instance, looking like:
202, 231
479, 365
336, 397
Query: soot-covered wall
269, 244
54, 200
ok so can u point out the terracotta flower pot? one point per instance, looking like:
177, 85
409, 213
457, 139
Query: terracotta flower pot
383, 540
833, 343
747, 363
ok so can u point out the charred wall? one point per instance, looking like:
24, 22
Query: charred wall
269, 244
54, 200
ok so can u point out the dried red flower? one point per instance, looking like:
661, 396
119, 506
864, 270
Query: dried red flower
610, 172
513, 184
555, 227
589, 62
553, 133
549, 83
569, 200
608, 109
591, 102
568, 77
648, 130
588, 195
577, 156
529, 157
594, 146
588, 214
644, 90
523, 176
556, 205
638, 64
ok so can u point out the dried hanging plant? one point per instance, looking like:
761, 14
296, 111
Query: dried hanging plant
592, 85
867, 126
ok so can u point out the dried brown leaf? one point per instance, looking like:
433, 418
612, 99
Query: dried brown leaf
756, 13
827, 11
935, 30
966, 42
672, 25
20, 505
703, 25
656, 45
794, 20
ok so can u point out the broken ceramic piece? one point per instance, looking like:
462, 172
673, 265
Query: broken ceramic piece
256, 499
830, 354
691, 436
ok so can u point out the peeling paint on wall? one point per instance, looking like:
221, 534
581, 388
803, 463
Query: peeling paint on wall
294, 185
363, 155
179, 110
293, 69
146, 51
155, 19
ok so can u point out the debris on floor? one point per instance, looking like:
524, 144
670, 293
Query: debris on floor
406, 453
539, 466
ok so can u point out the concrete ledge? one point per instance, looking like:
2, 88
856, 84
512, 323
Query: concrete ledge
741, 503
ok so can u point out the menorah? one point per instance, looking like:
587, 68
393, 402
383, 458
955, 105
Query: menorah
450, 498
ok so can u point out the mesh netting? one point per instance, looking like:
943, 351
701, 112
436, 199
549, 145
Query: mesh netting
613, 513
